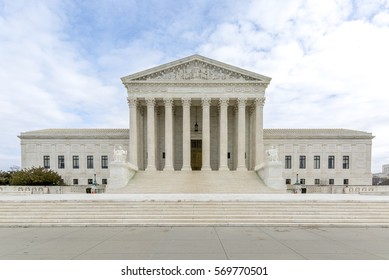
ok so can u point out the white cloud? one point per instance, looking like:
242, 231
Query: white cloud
328, 67
44, 82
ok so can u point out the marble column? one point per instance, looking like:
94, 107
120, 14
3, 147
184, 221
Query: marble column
168, 134
186, 134
150, 102
223, 102
133, 149
259, 147
206, 145
241, 143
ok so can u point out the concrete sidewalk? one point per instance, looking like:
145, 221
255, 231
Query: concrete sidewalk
272, 243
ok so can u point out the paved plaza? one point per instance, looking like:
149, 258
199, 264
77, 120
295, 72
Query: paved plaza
145, 243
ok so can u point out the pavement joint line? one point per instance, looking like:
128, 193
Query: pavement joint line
221, 243
97, 244
280, 241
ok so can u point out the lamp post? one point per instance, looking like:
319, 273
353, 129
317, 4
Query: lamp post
196, 126
94, 185
297, 184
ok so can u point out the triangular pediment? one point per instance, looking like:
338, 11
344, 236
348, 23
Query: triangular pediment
195, 68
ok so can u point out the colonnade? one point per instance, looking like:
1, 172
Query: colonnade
186, 102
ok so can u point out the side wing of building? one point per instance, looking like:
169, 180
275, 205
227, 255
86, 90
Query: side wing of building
318, 156
76, 154
323, 156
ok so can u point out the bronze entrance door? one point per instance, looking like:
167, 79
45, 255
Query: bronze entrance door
196, 159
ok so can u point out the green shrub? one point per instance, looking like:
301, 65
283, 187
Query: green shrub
5, 177
35, 176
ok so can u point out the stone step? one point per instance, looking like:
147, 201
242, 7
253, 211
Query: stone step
169, 213
192, 204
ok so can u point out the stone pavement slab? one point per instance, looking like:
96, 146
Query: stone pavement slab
121, 243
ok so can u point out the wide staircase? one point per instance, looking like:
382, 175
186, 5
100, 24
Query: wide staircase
163, 182
193, 213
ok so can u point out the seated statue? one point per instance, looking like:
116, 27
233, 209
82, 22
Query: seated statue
119, 154
272, 154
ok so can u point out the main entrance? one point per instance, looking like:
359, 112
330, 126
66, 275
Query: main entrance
196, 151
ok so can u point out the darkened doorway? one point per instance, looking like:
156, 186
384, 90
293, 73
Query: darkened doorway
196, 158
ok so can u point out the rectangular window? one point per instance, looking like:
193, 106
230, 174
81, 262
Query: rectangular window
76, 162
303, 162
316, 162
90, 181
331, 162
75, 181
346, 162
89, 162
302, 181
288, 162
46, 161
104, 181
317, 181
61, 162
288, 181
331, 181
104, 162
345, 181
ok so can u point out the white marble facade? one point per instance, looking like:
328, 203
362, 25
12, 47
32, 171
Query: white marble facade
167, 102
226, 102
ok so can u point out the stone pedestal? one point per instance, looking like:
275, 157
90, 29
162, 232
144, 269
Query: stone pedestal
271, 174
120, 174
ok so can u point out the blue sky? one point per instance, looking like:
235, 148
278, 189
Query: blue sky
61, 61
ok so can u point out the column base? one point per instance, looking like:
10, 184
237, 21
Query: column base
186, 168
151, 168
241, 168
207, 168
224, 168
168, 168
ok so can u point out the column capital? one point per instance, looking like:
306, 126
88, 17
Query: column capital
242, 101
150, 101
132, 101
186, 101
260, 101
168, 101
206, 101
224, 101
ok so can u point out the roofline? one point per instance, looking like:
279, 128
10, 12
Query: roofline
191, 58
123, 133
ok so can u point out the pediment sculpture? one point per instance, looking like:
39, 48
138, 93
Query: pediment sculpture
196, 70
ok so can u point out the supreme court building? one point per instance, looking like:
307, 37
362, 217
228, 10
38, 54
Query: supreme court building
198, 114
